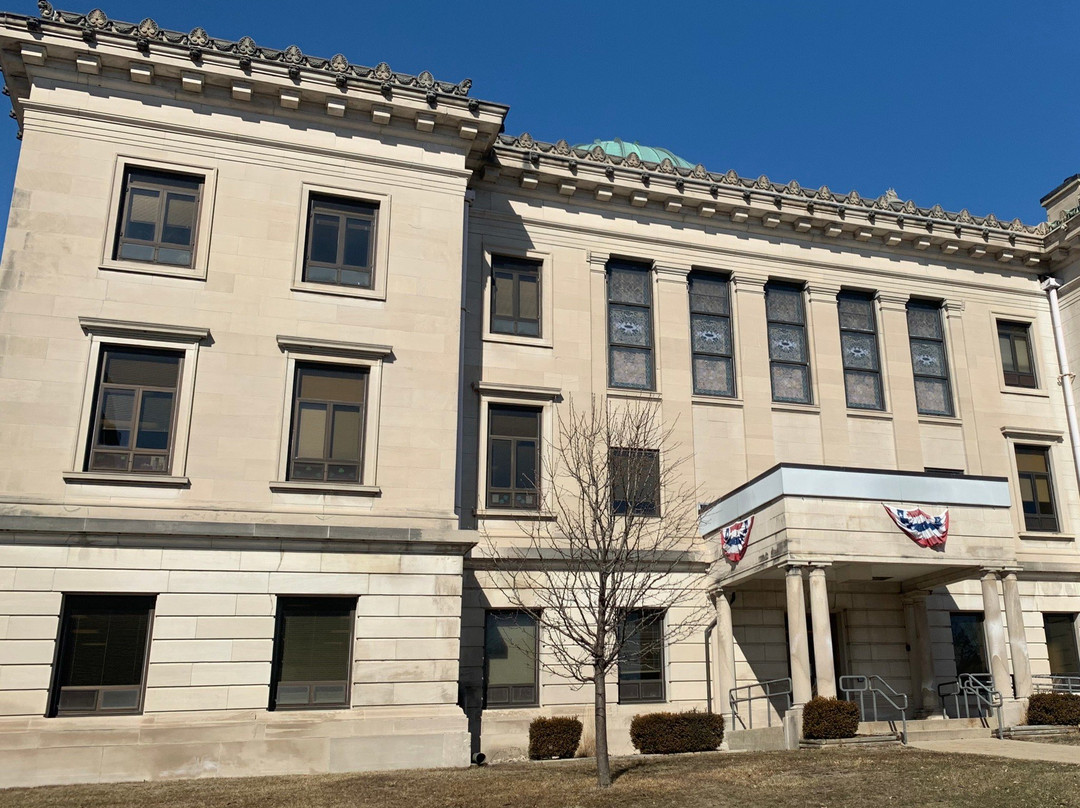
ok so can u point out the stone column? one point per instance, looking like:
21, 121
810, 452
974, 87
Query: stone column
824, 325
725, 653
897, 375
756, 391
797, 640
995, 634
819, 619
1014, 617
921, 656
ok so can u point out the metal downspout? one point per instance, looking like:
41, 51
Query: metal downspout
1065, 377
459, 479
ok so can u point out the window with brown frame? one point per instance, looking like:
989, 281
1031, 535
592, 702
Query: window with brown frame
340, 247
134, 411
158, 217
513, 457
328, 423
1016, 360
641, 657
312, 653
515, 296
511, 654
1036, 488
101, 665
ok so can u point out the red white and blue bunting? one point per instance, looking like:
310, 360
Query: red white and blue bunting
734, 538
922, 528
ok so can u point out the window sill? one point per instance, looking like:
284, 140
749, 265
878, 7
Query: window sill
339, 291
1033, 392
947, 420
108, 478
513, 513
510, 339
643, 701
510, 707
637, 395
790, 406
188, 273
716, 401
873, 415
1035, 535
347, 489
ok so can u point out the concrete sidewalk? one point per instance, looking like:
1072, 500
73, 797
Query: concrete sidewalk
1018, 750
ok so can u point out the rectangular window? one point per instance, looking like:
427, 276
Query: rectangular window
635, 481
134, 410
327, 423
340, 241
313, 644
158, 217
789, 353
101, 666
1016, 359
630, 329
1036, 488
859, 347
511, 654
969, 644
1061, 644
513, 457
929, 361
515, 296
641, 657
710, 335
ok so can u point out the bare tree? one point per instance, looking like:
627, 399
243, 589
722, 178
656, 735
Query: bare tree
619, 536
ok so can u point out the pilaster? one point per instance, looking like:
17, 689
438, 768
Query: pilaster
753, 373
828, 369
897, 371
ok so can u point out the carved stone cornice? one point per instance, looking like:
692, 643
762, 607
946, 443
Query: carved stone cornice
198, 42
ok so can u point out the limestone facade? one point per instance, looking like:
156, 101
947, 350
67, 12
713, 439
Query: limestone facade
227, 534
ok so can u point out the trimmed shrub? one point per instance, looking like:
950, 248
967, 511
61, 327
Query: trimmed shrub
1062, 709
667, 733
554, 738
830, 718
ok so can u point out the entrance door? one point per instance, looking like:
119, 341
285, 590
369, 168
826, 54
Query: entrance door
969, 643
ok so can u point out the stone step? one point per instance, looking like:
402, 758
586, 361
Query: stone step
957, 734
763, 739
1039, 731
887, 739
924, 724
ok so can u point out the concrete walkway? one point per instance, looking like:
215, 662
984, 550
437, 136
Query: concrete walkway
1018, 750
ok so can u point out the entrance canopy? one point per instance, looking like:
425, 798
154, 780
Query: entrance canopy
837, 516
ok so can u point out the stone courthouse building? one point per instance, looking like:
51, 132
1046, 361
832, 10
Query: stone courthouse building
282, 338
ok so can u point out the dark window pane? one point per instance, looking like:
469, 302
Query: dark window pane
863, 390
529, 304
313, 651
331, 383
641, 658
635, 481
345, 433
155, 420
179, 226
328, 422
501, 464
503, 291
709, 295
515, 422
357, 242
713, 376
631, 367
142, 368
710, 334
159, 216
311, 431
117, 412
142, 214
1061, 644
629, 326
933, 396
856, 313
525, 465
629, 285
791, 383
787, 343
924, 320
860, 350
324, 238
510, 660
928, 358
103, 645
784, 304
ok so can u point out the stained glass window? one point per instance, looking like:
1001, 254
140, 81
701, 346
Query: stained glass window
858, 345
929, 362
789, 356
630, 332
710, 335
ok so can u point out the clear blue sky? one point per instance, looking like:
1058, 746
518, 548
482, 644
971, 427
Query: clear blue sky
962, 103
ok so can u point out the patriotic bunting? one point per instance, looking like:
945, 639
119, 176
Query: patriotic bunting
734, 538
922, 528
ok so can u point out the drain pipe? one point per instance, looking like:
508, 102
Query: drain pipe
1050, 285
459, 478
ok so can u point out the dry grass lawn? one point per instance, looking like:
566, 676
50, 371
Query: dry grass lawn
836, 778
1064, 740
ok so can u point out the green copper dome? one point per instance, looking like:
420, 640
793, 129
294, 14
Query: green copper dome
648, 154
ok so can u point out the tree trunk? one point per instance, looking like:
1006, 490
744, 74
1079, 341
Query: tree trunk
603, 763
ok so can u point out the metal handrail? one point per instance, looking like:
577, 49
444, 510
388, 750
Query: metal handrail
874, 686
745, 695
1055, 683
977, 685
